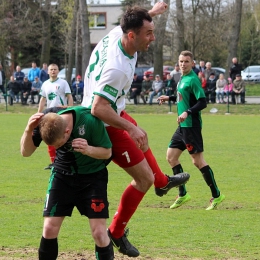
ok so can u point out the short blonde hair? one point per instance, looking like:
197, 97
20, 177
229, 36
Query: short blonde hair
52, 128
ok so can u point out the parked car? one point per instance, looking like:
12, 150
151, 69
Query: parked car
140, 72
251, 73
218, 70
166, 70
26, 71
62, 74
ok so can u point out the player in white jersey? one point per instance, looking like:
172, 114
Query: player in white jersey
57, 93
107, 80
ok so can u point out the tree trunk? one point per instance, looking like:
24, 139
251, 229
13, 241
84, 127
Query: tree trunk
180, 27
72, 37
160, 27
46, 31
234, 37
85, 33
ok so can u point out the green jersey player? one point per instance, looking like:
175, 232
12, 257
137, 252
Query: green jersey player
190, 101
79, 175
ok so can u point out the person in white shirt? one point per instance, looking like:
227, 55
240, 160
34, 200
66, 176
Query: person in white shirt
108, 79
56, 92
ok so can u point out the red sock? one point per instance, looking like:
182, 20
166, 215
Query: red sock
127, 207
52, 152
160, 179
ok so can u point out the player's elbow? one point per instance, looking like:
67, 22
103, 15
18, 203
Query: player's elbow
108, 153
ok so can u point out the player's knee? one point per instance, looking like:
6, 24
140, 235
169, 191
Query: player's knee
171, 160
100, 237
144, 182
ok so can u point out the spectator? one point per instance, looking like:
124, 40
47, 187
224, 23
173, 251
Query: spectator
235, 69
14, 87
194, 68
176, 73
202, 66
44, 73
157, 88
26, 88
33, 72
220, 84
19, 75
203, 81
228, 89
36, 88
77, 89
208, 70
211, 88
238, 89
2, 80
170, 86
146, 88
136, 88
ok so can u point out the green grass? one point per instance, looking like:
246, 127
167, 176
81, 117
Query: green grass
190, 232
253, 89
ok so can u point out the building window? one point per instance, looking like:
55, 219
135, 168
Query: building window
97, 20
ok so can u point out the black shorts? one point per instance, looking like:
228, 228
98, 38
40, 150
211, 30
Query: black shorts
87, 192
189, 138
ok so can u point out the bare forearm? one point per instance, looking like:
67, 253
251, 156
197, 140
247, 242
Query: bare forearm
70, 100
158, 8
27, 146
41, 104
98, 152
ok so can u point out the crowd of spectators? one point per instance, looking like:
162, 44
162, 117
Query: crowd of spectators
217, 88
25, 89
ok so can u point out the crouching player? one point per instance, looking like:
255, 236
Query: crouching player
78, 177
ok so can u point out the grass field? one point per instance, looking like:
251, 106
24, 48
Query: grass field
231, 232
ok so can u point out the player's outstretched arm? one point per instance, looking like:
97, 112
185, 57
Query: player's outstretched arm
27, 146
158, 8
162, 99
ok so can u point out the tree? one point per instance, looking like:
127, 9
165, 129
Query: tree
160, 28
45, 12
179, 26
235, 31
85, 34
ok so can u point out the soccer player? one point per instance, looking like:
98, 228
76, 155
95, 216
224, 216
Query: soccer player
56, 92
190, 101
108, 79
79, 175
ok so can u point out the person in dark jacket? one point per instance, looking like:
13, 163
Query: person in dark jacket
211, 88
136, 88
235, 69
25, 90
44, 73
2, 80
14, 87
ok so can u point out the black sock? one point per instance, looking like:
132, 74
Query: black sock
48, 249
105, 253
208, 176
182, 189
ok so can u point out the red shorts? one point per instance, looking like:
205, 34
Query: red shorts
125, 153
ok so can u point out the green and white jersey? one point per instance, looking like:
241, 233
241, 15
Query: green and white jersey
55, 92
85, 126
110, 71
189, 90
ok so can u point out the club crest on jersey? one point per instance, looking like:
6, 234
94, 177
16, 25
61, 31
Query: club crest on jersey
81, 130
